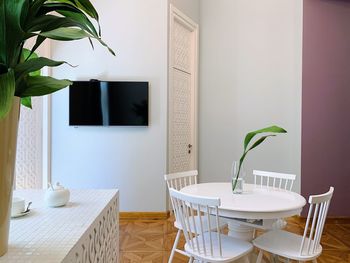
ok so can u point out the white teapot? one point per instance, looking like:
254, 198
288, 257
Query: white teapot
56, 196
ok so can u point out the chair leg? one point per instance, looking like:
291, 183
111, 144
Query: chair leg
174, 246
260, 255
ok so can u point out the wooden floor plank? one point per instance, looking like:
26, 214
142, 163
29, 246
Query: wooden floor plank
150, 241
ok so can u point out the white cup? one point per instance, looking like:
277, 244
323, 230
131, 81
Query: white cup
18, 206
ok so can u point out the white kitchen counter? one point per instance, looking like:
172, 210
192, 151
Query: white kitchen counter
85, 230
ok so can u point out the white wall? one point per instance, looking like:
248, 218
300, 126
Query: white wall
188, 7
250, 77
131, 159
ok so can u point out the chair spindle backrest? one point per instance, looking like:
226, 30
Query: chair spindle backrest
182, 179
317, 214
187, 207
275, 180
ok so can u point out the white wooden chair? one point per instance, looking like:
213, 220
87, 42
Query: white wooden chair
296, 247
182, 179
178, 181
275, 180
202, 243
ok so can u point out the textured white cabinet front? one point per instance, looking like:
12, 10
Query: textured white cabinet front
85, 230
100, 243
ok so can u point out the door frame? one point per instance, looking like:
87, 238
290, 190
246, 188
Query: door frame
176, 14
46, 124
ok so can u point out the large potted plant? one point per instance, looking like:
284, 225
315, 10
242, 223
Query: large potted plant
20, 79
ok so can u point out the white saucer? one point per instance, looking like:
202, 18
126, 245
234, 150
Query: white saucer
21, 214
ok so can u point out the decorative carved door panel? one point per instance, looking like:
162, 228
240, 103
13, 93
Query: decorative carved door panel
182, 146
29, 146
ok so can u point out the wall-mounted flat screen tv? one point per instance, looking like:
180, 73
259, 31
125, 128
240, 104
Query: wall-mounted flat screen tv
108, 103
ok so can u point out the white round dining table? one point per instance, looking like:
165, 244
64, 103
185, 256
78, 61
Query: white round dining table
256, 207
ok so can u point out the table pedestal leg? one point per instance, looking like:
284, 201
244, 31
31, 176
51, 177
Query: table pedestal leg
240, 231
243, 232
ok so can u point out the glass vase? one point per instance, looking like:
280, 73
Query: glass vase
237, 182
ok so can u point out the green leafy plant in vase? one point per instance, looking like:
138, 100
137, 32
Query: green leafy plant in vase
248, 146
20, 79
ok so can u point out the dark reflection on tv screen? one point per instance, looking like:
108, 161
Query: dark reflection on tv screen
105, 103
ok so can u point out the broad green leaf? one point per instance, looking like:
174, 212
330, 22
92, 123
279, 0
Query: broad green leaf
3, 44
31, 67
247, 140
28, 54
91, 43
23, 19
34, 8
42, 85
88, 8
272, 129
64, 28
3, 68
70, 19
24, 13
105, 45
38, 42
49, 22
84, 5
49, 7
27, 102
259, 141
46, 23
20, 78
7, 91
65, 34
241, 160
81, 20
34, 65
11, 33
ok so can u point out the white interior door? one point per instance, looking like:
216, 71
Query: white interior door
183, 66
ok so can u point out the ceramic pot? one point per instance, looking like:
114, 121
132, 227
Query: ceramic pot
8, 143
57, 196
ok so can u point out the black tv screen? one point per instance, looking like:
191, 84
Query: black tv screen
108, 103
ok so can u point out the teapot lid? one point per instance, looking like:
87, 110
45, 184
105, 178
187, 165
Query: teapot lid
57, 187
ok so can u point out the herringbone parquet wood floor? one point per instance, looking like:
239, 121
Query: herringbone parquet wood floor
150, 241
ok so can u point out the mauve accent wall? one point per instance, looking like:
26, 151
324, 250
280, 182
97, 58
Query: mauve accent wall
326, 101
